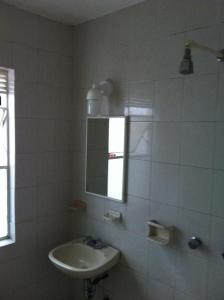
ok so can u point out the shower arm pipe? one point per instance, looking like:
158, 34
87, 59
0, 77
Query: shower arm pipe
193, 44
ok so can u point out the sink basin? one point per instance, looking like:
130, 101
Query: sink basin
79, 260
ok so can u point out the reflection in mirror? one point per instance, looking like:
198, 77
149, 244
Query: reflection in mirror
106, 157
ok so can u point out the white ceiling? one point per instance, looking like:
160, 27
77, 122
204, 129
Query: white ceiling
72, 11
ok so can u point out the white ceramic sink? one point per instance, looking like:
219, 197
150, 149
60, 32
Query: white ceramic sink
79, 260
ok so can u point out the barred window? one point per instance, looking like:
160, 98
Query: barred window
7, 153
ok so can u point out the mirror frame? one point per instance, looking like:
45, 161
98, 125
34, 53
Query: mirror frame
124, 177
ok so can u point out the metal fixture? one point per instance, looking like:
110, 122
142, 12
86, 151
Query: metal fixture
194, 243
89, 288
186, 65
96, 244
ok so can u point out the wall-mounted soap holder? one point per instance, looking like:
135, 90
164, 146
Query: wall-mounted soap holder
78, 205
113, 216
159, 233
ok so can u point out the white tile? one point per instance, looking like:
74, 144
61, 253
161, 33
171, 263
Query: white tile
215, 282
219, 146
182, 296
191, 275
168, 52
18, 26
197, 144
158, 290
26, 200
161, 263
25, 60
134, 252
196, 188
54, 36
137, 214
139, 185
220, 106
27, 102
218, 194
174, 16
26, 136
168, 99
123, 283
217, 243
48, 68
141, 97
26, 174
164, 214
95, 207
140, 140
166, 142
46, 135
165, 183
199, 92
5, 54
48, 101
47, 199
189, 224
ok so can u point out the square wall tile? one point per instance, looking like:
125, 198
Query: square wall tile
163, 213
165, 183
191, 275
141, 98
159, 290
217, 243
137, 214
5, 54
161, 263
200, 99
215, 282
197, 145
219, 146
139, 178
218, 194
220, 105
27, 102
26, 201
168, 99
166, 142
196, 188
25, 60
140, 140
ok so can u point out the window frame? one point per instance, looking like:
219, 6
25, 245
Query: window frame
10, 166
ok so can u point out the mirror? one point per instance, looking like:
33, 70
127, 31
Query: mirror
105, 157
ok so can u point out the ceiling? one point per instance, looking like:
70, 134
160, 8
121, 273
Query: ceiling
72, 11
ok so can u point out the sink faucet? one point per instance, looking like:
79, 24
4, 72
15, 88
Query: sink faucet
94, 243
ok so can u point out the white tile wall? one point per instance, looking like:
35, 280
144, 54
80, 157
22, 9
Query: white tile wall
175, 170
31, 44
175, 167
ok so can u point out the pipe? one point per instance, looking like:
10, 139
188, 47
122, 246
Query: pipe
193, 44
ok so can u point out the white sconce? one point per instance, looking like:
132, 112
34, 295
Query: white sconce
98, 98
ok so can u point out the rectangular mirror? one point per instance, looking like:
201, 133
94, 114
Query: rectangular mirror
105, 157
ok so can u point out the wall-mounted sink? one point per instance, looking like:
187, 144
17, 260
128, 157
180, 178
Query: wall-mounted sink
79, 260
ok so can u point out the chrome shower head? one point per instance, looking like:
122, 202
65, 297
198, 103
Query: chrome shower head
186, 65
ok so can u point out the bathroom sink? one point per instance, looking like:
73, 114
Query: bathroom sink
79, 260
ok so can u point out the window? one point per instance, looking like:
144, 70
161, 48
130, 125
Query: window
7, 153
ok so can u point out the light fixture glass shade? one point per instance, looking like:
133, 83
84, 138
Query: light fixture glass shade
94, 93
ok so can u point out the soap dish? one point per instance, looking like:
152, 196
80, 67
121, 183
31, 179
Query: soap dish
78, 205
159, 233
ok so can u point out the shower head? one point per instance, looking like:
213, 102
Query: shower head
186, 65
